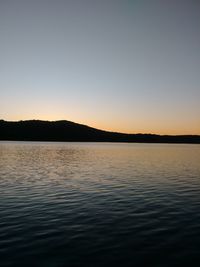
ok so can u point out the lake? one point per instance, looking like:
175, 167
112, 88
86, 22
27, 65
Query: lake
99, 204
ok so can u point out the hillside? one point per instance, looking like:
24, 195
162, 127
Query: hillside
37, 130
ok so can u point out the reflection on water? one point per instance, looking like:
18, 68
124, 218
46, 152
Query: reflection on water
89, 204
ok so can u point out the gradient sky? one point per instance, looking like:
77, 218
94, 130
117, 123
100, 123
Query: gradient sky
121, 65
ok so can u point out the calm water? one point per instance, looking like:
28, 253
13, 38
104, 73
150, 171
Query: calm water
88, 204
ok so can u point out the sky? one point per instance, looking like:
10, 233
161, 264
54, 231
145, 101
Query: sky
120, 65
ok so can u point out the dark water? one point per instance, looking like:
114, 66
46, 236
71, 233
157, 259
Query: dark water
65, 204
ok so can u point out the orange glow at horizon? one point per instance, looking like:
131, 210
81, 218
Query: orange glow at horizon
138, 125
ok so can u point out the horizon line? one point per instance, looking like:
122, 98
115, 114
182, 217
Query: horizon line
64, 120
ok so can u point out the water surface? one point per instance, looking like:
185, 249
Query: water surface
99, 204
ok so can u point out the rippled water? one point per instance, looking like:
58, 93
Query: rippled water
88, 204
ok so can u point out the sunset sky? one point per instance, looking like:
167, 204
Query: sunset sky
120, 65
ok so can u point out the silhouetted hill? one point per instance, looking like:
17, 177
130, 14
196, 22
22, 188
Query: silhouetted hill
36, 130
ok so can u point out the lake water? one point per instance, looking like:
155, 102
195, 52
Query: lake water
99, 204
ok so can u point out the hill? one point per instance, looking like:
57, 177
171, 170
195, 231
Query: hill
37, 130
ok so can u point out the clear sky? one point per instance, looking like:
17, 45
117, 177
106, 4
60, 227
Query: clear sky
120, 65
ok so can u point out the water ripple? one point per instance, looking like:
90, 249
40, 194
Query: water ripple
78, 204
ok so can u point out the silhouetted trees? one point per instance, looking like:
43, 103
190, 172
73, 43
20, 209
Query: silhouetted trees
36, 130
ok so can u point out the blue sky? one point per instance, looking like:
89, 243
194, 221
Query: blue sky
131, 66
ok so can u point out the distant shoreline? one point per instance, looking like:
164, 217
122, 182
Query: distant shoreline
67, 131
96, 142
